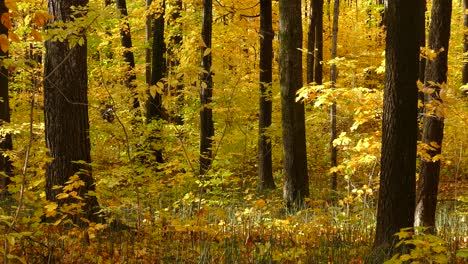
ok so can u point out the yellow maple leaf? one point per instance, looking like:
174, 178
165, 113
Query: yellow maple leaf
4, 43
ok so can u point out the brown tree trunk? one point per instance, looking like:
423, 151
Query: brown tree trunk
148, 36
66, 114
6, 141
311, 41
399, 126
126, 41
318, 69
433, 130
206, 92
296, 180
465, 46
154, 108
265, 167
422, 69
334, 76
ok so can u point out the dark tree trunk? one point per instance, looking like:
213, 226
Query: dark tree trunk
265, 167
206, 91
465, 46
433, 131
66, 114
154, 108
126, 41
334, 76
422, 69
148, 35
296, 180
174, 62
311, 41
318, 78
6, 141
399, 125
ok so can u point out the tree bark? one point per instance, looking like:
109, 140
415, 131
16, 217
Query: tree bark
154, 108
206, 91
465, 46
433, 131
66, 114
265, 167
334, 76
422, 69
311, 41
318, 69
399, 126
296, 180
126, 42
6, 142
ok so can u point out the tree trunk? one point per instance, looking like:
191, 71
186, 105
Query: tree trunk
334, 76
433, 131
265, 167
399, 127
174, 62
66, 114
296, 180
311, 41
148, 35
126, 41
465, 46
422, 69
154, 108
6, 141
319, 43
206, 92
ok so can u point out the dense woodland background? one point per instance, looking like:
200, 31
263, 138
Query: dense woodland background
172, 131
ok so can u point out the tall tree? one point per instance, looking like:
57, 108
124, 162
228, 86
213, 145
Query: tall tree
399, 127
296, 179
265, 167
66, 112
334, 76
311, 40
433, 126
206, 91
126, 41
154, 108
465, 46
318, 71
5, 141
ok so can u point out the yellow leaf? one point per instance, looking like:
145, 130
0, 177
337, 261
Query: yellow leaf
206, 52
11, 4
4, 43
51, 209
36, 35
62, 195
6, 21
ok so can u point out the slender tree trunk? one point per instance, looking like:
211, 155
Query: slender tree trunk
311, 41
265, 167
154, 108
66, 114
174, 62
334, 76
5, 141
206, 91
433, 131
399, 127
319, 43
465, 46
296, 180
422, 69
148, 36
126, 41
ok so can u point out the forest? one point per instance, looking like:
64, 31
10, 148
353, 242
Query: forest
256, 131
